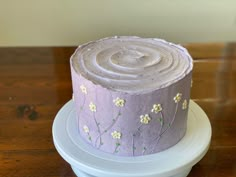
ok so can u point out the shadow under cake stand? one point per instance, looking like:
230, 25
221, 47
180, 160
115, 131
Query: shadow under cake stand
176, 161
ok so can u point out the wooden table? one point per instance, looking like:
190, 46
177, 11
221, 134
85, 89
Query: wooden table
35, 82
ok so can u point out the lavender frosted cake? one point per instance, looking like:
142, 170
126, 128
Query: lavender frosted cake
131, 94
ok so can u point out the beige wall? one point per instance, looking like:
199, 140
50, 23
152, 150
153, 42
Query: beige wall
72, 22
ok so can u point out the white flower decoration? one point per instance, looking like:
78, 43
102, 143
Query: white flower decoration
92, 107
185, 104
119, 102
83, 89
86, 129
116, 135
156, 108
178, 97
145, 119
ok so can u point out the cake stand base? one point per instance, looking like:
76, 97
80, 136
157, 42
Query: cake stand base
79, 173
176, 161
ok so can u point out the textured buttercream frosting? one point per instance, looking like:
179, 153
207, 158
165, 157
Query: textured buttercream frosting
132, 64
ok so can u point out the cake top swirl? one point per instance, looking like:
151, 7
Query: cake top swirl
132, 64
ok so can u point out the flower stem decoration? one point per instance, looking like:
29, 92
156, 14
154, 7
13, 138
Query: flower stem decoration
93, 109
84, 91
157, 139
116, 135
86, 130
109, 127
118, 102
177, 98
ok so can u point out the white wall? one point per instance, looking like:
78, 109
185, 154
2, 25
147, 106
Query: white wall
72, 22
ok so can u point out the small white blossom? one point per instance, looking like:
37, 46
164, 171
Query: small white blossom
92, 107
156, 108
145, 119
86, 129
185, 104
116, 135
83, 89
119, 102
178, 97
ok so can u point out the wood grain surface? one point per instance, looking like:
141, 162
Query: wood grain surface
35, 82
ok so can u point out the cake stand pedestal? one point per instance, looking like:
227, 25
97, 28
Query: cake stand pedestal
176, 161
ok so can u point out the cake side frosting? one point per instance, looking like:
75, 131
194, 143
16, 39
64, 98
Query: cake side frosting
132, 64
124, 120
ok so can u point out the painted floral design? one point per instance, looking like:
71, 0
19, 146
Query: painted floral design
160, 119
156, 108
81, 107
92, 107
116, 135
145, 119
185, 104
86, 130
178, 97
119, 102
83, 89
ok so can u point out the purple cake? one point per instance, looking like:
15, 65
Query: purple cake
131, 94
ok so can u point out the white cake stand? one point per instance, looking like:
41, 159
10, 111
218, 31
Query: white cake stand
176, 161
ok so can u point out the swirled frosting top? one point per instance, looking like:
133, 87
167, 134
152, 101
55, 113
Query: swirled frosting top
132, 64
